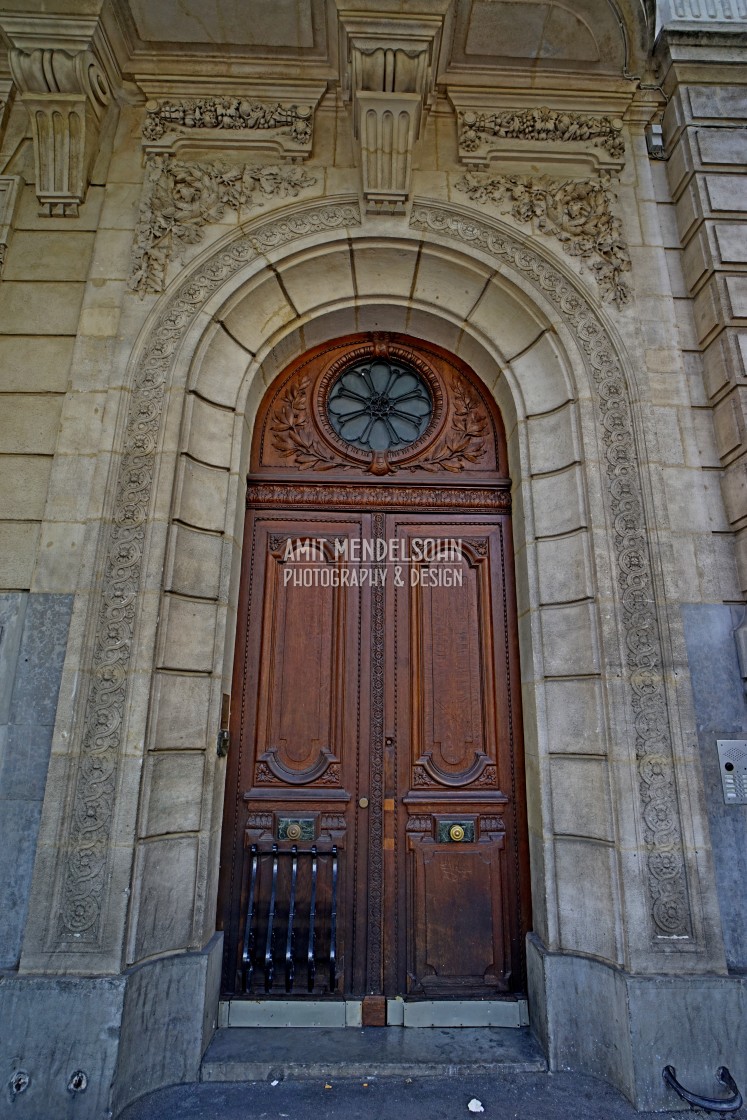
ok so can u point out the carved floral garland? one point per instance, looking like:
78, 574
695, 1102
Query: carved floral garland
180, 198
540, 124
231, 113
84, 878
667, 880
577, 212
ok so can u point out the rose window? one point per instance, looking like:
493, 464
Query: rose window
379, 405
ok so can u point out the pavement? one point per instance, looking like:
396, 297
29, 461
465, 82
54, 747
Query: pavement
387, 1074
517, 1096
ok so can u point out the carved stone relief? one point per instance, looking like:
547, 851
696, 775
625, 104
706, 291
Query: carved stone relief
66, 96
579, 213
665, 863
486, 133
180, 198
80, 897
81, 890
388, 72
235, 121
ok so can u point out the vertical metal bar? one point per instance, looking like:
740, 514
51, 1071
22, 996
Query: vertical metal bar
310, 958
247, 956
289, 968
333, 925
271, 920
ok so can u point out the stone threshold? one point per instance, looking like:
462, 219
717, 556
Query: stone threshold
289, 1013
264, 1053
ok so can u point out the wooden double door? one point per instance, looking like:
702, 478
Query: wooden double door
375, 834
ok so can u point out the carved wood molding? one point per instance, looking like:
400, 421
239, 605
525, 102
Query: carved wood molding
350, 495
459, 436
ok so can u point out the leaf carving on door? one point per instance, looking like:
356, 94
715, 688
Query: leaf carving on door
467, 438
293, 435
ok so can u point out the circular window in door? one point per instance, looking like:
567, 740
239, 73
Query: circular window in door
379, 405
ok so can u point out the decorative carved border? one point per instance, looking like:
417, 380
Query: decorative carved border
84, 877
665, 862
288, 126
352, 495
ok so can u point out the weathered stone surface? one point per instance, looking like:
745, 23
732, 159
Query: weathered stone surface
164, 899
33, 636
40, 307
558, 504
174, 782
586, 896
53, 1027
575, 716
29, 422
201, 495
581, 799
569, 640
181, 704
564, 569
719, 695
188, 634
173, 1001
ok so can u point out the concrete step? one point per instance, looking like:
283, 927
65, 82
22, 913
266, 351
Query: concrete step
303, 1053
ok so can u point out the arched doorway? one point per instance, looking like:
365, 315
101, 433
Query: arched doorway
375, 825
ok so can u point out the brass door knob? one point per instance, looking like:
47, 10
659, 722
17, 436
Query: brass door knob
456, 832
363, 803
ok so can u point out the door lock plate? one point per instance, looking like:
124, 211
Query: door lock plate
455, 832
295, 828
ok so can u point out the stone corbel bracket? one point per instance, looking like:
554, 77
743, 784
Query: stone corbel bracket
9, 195
283, 126
487, 133
388, 74
66, 96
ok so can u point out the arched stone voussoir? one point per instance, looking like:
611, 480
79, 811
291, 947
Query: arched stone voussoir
238, 286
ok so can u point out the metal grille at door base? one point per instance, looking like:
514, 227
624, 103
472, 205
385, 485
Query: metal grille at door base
290, 932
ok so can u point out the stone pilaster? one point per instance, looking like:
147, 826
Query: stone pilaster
705, 145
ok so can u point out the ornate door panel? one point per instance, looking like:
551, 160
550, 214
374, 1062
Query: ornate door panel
453, 719
375, 819
297, 703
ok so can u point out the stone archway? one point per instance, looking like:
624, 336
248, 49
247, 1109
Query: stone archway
593, 642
